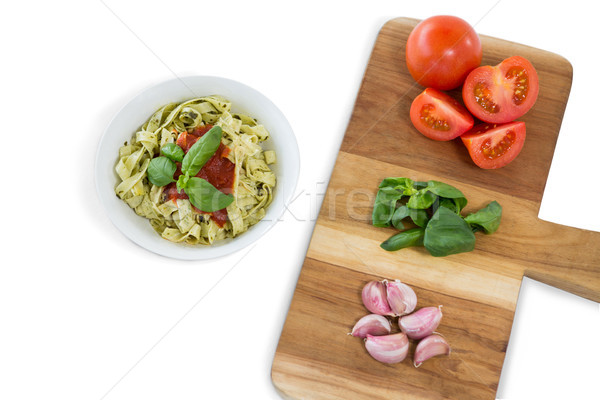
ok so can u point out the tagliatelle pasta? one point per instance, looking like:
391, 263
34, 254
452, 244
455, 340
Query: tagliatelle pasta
171, 214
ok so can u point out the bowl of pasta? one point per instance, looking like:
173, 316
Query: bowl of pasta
197, 167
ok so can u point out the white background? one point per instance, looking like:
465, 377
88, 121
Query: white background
86, 314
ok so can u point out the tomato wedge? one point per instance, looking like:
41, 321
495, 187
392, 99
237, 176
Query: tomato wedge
439, 116
501, 93
493, 146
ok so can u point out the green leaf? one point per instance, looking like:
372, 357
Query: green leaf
161, 170
400, 213
404, 185
449, 192
448, 203
205, 196
448, 233
444, 190
172, 152
487, 219
407, 238
422, 199
385, 205
461, 202
201, 151
419, 217
420, 185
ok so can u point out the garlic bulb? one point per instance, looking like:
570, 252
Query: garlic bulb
372, 324
401, 298
387, 349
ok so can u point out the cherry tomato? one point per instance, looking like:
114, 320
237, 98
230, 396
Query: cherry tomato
502, 93
439, 116
493, 146
441, 51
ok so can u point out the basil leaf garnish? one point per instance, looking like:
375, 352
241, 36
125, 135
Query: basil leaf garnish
161, 170
201, 151
172, 152
205, 196
487, 219
448, 233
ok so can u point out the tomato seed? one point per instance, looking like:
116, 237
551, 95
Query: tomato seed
483, 96
492, 152
521, 85
431, 121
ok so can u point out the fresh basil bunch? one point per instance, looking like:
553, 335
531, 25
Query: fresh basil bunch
435, 208
201, 193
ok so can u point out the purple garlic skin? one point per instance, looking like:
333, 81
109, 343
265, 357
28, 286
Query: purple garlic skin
374, 297
401, 298
372, 324
421, 323
431, 346
389, 349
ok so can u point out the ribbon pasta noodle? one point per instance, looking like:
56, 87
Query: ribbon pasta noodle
176, 219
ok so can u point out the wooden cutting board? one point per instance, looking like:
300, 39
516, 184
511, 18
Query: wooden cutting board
315, 358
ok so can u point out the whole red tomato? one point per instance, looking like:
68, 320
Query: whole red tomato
441, 51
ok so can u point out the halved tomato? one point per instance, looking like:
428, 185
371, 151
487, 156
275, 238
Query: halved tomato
502, 93
493, 146
439, 116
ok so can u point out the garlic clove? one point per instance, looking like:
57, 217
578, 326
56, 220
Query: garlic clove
401, 298
387, 349
421, 323
372, 324
431, 346
375, 299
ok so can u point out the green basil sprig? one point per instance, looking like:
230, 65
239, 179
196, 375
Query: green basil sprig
172, 152
435, 208
201, 151
201, 193
205, 196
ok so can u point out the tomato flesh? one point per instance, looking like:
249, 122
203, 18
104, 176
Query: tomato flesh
441, 51
493, 146
501, 93
439, 116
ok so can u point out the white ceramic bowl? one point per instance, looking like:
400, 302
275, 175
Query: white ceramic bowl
244, 100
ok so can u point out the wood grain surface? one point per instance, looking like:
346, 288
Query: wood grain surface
315, 358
